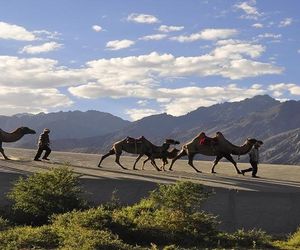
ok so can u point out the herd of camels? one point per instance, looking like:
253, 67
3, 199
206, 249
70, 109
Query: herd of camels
217, 146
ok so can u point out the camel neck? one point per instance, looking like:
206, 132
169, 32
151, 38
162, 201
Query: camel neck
244, 149
11, 137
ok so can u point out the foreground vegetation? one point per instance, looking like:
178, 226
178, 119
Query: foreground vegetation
48, 212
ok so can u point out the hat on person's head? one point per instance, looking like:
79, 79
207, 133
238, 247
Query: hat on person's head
46, 130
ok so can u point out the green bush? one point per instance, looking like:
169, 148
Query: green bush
87, 230
47, 193
28, 237
292, 243
77, 237
4, 224
94, 218
53, 237
171, 215
255, 239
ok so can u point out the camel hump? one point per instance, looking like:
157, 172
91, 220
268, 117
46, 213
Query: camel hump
219, 134
201, 135
129, 139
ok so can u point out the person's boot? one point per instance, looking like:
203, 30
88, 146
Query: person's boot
36, 159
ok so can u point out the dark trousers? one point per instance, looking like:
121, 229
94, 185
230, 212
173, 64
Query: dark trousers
40, 151
253, 169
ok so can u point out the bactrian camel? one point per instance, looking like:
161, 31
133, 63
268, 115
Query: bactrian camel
140, 147
13, 137
217, 146
164, 156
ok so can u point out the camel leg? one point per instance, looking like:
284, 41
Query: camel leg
180, 154
191, 158
229, 158
2, 152
137, 159
111, 152
118, 160
165, 162
145, 162
154, 164
218, 158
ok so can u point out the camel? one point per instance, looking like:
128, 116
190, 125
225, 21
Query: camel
140, 147
13, 137
163, 156
217, 146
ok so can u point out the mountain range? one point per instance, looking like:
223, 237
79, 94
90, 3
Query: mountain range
261, 117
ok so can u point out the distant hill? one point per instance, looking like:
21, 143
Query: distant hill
72, 124
262, 117
284, 147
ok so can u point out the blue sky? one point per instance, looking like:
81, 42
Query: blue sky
138, 58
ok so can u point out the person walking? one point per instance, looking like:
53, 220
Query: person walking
254, 159
43, 144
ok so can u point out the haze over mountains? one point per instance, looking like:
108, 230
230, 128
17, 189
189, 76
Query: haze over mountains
262, 117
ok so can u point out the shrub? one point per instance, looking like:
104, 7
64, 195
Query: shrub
255, 239
87, 230
47, 193
4, 224
292, 243
170, 215
94, 218
77, 237
183, 196
28, 237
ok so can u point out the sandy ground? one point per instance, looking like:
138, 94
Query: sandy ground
276, 178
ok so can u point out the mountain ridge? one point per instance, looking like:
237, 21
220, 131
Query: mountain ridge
260, 117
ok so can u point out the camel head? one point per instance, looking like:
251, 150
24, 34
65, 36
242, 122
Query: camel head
26, 130
253, 141
172, 142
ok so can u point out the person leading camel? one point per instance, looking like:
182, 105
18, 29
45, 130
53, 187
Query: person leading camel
43, 144
254, 159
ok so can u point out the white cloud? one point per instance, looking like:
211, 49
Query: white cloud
119, 44
97, 28
207, 34
233, 48
143, 76
186, 99
285, 22
270, 35
249, 9
298, 51
15, 32
165, 28
142, 18
46, 35
22, 99
37, 73
136, 114
257, 25
153, 37
142, 102
43, 48
280, 88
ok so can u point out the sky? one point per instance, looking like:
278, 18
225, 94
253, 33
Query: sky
135, 58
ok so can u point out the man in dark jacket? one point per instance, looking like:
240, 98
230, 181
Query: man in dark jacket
43, 144
254, 159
